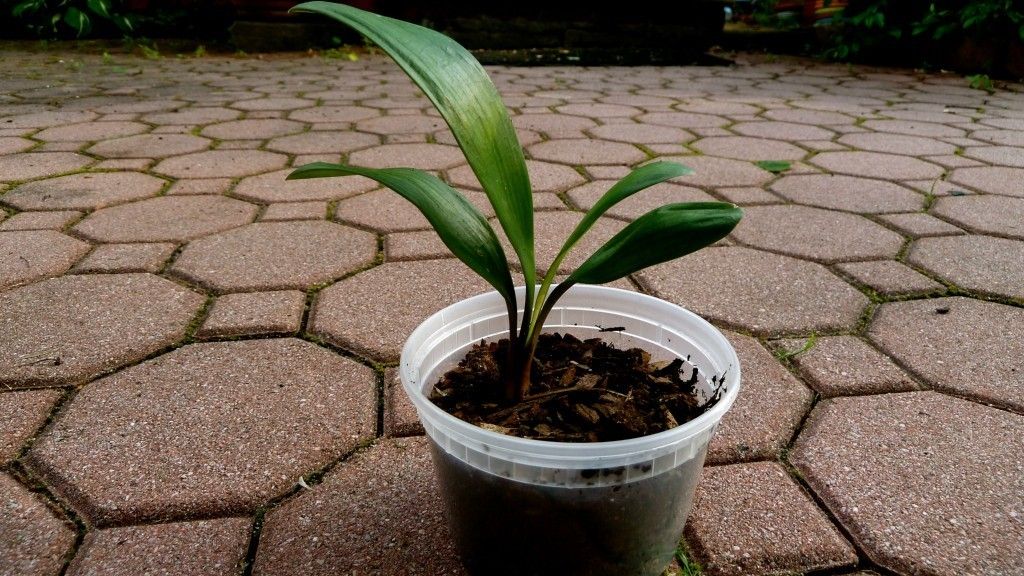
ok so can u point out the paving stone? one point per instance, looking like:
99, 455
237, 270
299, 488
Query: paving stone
249, 313
124, 164
749, 195
273, 187
221, 163
996, 215
82, 191
757, 291
716, 106
595, 110
897, 144
544, 176
646, 134
192, 116
745, 148
890, 278
952, 161
912, 128
937, 187
251, 129
166, 219
635, 206
149, 146
1001, 155
1001, 137
238, 144
579, 152
59, 147
877, 165
33, 542
24, 413
90, 131
13, 144
323, 141
281, 211
550, 231
208, 429
753, 519
608, 172
917, 224
49, 118
782, 131
372, 312
27, 256
683, 120
400, 418
981, 263
29, 165
66, 330
415, 245
281, 103
386, 211
846, 366
992, 179
717, 172
121, 258
808, 116
190, 187
816, 234
766, 414
948, 342
275, 255
333, 113
202, 548
40, 220
924, 483
422, 156
405, 124
553, 125
378, 513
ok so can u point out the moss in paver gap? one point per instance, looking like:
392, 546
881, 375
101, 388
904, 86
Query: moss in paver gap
854, 119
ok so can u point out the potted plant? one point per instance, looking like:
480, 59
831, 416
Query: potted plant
535, 506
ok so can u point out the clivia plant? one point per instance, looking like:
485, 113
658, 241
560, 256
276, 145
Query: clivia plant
468, 101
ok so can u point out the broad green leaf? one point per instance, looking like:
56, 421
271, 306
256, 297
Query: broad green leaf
124, 23
78, 20
774, 166
28, 6
658, 236
468, 101
99, 7
459, 224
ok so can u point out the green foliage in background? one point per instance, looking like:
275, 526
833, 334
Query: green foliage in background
74, 18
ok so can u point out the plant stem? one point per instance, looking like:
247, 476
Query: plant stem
533, 335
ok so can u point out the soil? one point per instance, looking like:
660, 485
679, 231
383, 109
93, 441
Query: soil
582, 391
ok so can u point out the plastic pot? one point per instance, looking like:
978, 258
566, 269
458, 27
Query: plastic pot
530, 507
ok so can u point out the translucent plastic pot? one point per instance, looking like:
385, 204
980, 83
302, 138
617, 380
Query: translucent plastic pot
530, 507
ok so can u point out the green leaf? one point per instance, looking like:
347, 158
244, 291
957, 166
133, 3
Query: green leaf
775, 166
99, 7
123, 23
658, 236
78, 20
468, 101
459, 224
28, 6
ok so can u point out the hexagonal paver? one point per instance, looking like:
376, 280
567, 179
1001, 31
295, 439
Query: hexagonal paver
49, 118
90, 131
753, 519
845, 366
23, 413
816, 234
767, 412
137, 257
848, 193
997, 215
274, 187
595, 110
924, 483
641, 134
275, 256
993, 179
11, 144
422, 156
578, 152
757, 291
30, 165
404, 124
386, 211
271, 103
33, 254
214, 429
192, 116
968, 347
321, 142
83, 191
206, 547
877, 165
744, 148
913, 128
544, 177
981, 263
221, 163
34, 542
550, 231
1003, 155
166, 219
416, 245
682, 120
1003, 137
249, 129
372, 312
890, 278
782, 131
55, 220
400, 418
897, 144
640, 203
68, 329
247, 313
918, 224
378, 513
809, 116
333, 113
553, 125
150, 146
281, 211
715, 172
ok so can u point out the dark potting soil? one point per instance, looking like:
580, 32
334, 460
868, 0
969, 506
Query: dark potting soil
582, 391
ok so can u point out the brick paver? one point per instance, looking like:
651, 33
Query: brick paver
894, 238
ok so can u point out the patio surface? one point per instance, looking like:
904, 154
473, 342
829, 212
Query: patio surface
196, 358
